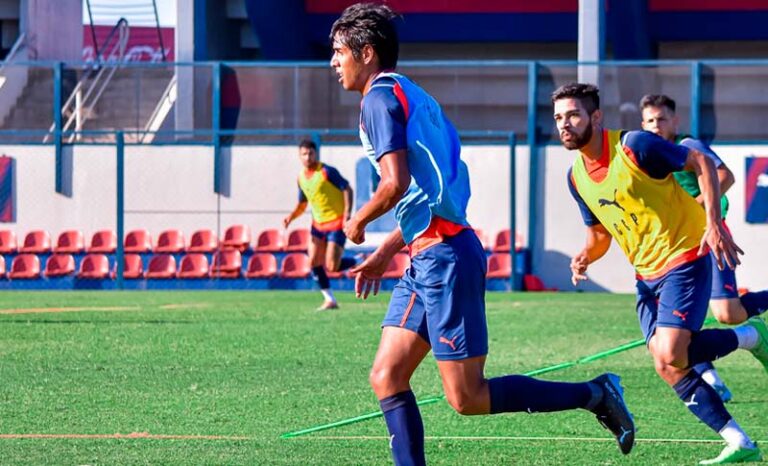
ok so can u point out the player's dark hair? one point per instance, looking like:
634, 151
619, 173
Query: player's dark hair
657, 100
369, 24
587, 94
308, 144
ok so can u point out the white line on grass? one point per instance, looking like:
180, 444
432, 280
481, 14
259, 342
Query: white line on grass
472, 438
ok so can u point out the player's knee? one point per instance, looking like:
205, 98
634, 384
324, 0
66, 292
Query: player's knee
728, 311
385, 381
669, 363
464, 403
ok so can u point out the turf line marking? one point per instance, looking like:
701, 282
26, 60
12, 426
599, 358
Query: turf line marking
522, 438
41, 310
186, 306
132, 435
543, 370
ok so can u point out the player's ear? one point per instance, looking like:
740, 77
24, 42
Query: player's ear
368, 54
597, 117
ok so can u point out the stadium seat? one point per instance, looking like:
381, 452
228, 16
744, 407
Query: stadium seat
70, 242
499, 265
59, 265
36, 242
237, 237
170, 241
226, 264
138, 241
270, 240
162, 266
504, 241
295, 265
94, 267
133, 267
194, 265
103, 242
298, 240
397, 266
8, 243
25, 266
203, 241
262, 265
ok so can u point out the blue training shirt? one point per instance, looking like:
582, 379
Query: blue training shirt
397, 114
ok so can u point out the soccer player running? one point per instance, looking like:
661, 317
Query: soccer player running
622, 184
330, 197
439, 303
658, 113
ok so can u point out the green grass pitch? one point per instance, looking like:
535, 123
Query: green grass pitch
217, 377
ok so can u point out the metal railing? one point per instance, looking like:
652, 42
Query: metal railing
81, 102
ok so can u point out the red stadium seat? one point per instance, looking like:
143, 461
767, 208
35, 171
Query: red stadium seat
8, 243
162, 266
203, 241
36, 242
295, 265
194, 265
262, 265
133, 267
170, 241
70, 242
298, 240
504, 241
103, 242
94, 266
397, 266
237, 237
25, 267
499, 265
226, 264
533, 283
270, 240
138, 241
59, 265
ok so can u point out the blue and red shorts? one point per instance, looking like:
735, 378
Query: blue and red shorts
678, 299
333, 236
442, 298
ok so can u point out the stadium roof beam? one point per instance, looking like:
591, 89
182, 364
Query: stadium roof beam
591, 46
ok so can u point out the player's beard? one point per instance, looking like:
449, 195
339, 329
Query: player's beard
578, 140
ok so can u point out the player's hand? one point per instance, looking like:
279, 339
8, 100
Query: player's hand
720, 241
354, 231
287, 221
368, 274
579, 266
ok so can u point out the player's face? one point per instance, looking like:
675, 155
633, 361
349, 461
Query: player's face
349, 71
574, 124
661, 121
308, 157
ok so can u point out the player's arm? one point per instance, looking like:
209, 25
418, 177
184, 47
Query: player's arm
348, 196
301, 206
715, 236
368, 273
395, 179
598, 243
725, 176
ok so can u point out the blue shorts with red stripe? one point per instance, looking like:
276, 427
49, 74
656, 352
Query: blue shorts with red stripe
678, 299
442, 298
723, 281
334, 236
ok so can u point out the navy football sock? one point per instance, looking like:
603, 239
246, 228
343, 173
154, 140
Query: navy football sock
318, 274
755, 303
708, 345
702, 400
406, 431
346, 262
513, 393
